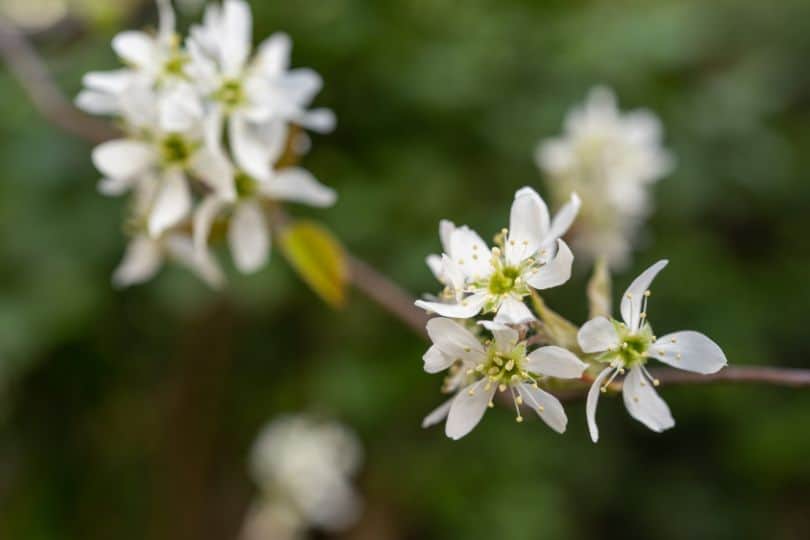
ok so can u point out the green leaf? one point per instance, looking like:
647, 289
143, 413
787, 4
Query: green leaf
318, 257
599, 290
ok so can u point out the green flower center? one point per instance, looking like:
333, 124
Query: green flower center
503, 280
246, 186
633, 346
505, 368
175, 65
176, 150
231, 93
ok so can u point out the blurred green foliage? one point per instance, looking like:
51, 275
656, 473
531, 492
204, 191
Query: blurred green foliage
129, 414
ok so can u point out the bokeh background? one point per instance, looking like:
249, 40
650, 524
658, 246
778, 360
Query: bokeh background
130, 414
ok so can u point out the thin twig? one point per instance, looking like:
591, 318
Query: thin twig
29, 69
387, 294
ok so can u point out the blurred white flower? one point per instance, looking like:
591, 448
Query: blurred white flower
531, 254
628, 345
251, 92
479, 369
610, 159
249, 235
306, 466
173, 100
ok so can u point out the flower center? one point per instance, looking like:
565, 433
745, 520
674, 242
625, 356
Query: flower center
246, 186
176, 150
231, 93
175, 65
633, 346
503, 280
505, 368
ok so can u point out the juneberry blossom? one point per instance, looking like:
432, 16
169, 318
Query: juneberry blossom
625, 347
611, 160
530, 254
205, 129
478, 369
252, 93
304, 468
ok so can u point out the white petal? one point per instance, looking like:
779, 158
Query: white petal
123, 158
513, 311
250, 150
470, 253
180, 248
248, 237
237, 25
109, 82
167, 21
454, 340
318, 120
688, 350
555, 362
214, 169
556, 271
438, 414
564, 218
204, 217
136, 48
435, 360
446, 228
453, 276
93, 102
593, 400
643, 402
634, 296
172, 203
113, 187
141, 262
463, 310
506, 337
434, 262
300, 85
528, 225
545, 405
180, 108
468, 408
298, 185
597, 335
273, 55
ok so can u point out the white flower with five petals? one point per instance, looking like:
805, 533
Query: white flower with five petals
627, 346
251, 93
532, 254
478, 370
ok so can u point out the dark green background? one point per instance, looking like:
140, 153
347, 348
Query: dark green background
128, 415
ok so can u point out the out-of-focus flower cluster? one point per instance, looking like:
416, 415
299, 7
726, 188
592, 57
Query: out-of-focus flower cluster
611, 159
206, 122
526, 354
303, 468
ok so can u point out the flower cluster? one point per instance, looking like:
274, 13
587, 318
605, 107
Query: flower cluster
484, 357
610, 159
206, 124
303, 468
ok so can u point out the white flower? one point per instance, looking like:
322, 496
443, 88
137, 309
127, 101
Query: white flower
163, 157
478, 370
248, 234
145, 255
150, 59
610, 159
478, 279
308, 464
251, 92
628, 345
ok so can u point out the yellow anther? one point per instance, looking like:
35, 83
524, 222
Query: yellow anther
540, 408
502, 387
635, 398
656, 382
467, 349
461, 261
643, 314
470, 371
673, 340
475, 257
471, 392
603, 389
630, 295
511, 242
647, 293
678, 356
519, 419
519, 400
525, 242
509, 365
491, 405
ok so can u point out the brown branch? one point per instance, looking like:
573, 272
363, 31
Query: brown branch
28, 68
387, 294
25, 65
